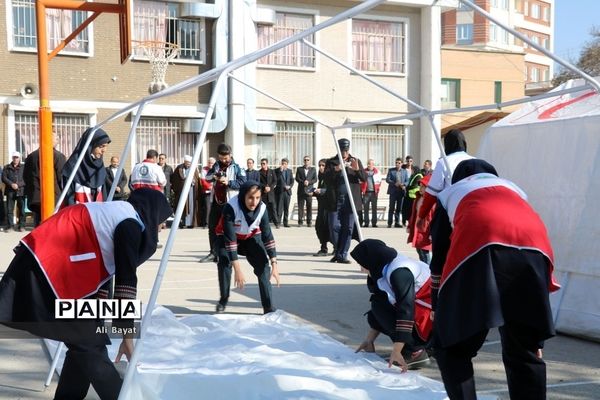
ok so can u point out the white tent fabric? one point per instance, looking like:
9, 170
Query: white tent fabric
228, 356
551, 149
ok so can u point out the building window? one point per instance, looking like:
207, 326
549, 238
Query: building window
546, 14
156, 21
294, 55
164, 135
497, 34
68, 128
526, 8
546, 43
450, 93
382, 143
463, 7
292, 140
535, 11
546, 75
502, 4
464, 34
497, 92
378, 46
59, 25
535, 74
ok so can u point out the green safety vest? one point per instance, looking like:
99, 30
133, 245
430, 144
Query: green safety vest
412, 191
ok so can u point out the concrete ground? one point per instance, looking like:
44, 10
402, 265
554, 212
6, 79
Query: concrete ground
331, 297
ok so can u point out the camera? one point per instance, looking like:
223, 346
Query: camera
220, 174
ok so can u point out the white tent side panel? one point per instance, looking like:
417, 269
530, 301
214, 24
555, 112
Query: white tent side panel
556, 161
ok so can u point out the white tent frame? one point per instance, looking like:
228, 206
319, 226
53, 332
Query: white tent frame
219, 74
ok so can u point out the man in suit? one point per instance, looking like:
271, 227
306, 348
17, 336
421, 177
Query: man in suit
251, 173
111, 170
285, 182
306, 176
268, 182
397, 178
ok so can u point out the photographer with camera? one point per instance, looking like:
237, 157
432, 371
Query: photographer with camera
227, 178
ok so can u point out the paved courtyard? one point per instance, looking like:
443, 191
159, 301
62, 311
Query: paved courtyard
331, 297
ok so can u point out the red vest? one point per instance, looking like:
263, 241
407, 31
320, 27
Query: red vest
75, 248
486, 210
243, 231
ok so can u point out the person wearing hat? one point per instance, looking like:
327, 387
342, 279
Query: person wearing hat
89, 183
419, 236
73, 255
337, 199
190, 216
12, 177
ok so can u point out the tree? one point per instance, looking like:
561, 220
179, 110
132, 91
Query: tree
589, 60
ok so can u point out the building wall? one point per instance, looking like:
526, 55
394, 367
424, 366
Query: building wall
478, 89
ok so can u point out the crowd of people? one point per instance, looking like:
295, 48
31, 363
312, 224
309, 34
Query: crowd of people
454, 214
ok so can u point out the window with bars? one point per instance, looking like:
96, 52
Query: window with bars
294, 55
382, 143
68, 128
59, 23
292, 140
378, 46
164, 135
156, 21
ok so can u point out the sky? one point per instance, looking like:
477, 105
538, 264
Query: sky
573, 21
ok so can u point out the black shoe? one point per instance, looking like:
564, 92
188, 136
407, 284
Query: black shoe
397, 226
220, 308
19, 229
309, 224
374, 226
207, 258
334, 259
276, 226
344, 261
300, 223
215, 259
320, 253
389, 225
286, 225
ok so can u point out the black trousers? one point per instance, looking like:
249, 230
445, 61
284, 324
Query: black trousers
370, 204
302, 200
12, 200
204, 205
216, 210
525, 372
283, 207
322, 227
255, 253
85, 365
395, 207
271, 209
407, 205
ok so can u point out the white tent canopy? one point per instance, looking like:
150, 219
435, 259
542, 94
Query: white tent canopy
551, 149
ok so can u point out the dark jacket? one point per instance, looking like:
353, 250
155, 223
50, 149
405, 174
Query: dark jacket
392, 178
31, 176
13, 174
252, 175
168, 170
110, 177
302, 176
282, 181
270, 180
334, 182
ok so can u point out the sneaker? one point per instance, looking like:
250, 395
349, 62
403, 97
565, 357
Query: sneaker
418, 359
220, 309
320, 253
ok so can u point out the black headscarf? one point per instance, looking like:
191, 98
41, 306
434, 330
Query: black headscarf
454, 141
249, 215
471, 167
153, 208
373, 254
91, 172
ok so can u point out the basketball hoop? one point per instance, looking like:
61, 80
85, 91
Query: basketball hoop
159, 55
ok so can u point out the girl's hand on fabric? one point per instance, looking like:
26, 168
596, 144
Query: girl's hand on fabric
125, 349
366, 346
396, 358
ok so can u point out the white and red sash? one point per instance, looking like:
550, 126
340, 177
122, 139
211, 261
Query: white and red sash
83, 194
243, 231
485, 210
421, 273
75, 248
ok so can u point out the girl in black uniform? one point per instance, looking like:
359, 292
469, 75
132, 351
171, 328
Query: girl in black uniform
244, 229
45, 268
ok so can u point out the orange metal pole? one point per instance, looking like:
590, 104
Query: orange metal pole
45, 117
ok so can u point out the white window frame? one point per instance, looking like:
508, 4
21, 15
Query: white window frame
546, 13
297, 11
385, 135
464, 33
535, 74
450, 88
286, 132
25, 49
536, 11
164, 135
405, 47
138, 34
